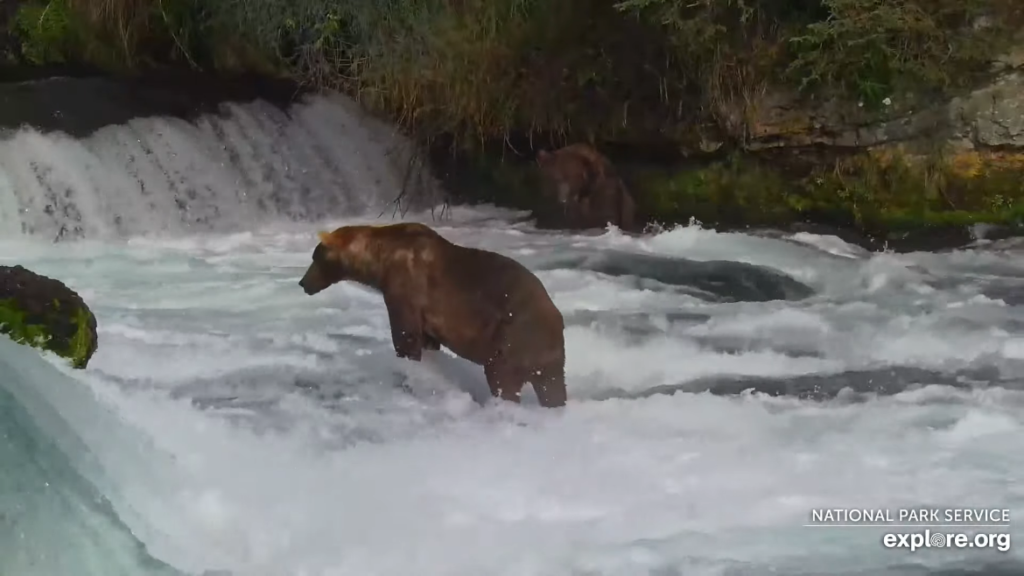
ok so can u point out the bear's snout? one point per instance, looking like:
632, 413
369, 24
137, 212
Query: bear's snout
563, 193
311, 282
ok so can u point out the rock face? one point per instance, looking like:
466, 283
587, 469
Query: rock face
80, 106
992, 116
989, 117
44, 313
8, 43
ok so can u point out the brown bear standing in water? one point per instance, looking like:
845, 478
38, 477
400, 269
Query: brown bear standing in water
585, 189
484, 307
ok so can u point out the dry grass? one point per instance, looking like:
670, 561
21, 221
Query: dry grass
483, 70
478, 69
124, 20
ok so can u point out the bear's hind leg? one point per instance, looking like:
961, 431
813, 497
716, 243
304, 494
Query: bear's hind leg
549, 384
505, 381
430, 343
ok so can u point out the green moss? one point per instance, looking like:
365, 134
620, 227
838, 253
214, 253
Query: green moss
879, 194
82, 343
734, 192
506, 183
13, 324
35, 332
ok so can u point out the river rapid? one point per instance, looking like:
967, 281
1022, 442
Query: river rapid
721, 385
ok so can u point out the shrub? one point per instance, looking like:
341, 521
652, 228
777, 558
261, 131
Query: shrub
578, 69
861, 49
871, 48
476, 68
47, 32
119, 34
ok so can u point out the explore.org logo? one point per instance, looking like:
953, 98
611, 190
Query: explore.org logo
957, 528
927, 539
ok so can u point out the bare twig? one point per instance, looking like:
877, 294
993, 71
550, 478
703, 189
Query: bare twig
409, 169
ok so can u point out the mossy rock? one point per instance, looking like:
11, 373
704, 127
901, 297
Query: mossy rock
44, 313
882, 194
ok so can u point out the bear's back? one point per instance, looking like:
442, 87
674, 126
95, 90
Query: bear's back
452, 269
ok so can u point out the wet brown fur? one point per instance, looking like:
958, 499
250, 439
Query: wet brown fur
483, 306
582, 183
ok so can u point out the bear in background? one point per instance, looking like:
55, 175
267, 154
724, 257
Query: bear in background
483, 306
583, 190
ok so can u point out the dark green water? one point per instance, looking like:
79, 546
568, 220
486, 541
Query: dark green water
53, 521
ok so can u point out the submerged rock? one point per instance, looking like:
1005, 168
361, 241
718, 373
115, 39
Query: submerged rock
44, 313
712, 280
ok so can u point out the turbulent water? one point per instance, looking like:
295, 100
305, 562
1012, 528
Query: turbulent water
721, 385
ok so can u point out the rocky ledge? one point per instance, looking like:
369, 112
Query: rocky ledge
78, 106
44, 313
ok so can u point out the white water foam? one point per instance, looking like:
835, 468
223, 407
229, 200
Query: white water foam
236, 424
285, 438
252, 165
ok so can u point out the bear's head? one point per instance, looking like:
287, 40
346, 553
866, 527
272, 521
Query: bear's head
341, 255
564, 175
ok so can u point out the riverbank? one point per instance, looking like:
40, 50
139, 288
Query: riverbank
879, 201
761, 116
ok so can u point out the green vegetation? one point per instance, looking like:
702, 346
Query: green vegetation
486, 72
12, 323
82, 344
873, 48
484, 69
117, 35
878, 193
862, 49
38, 331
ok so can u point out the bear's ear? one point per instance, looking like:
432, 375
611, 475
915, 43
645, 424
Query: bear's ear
333, 240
